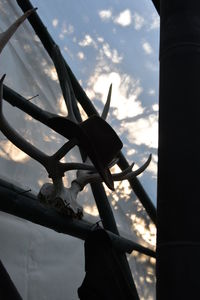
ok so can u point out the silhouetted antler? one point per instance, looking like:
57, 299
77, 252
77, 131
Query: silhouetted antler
84, 177
54, 167
6, 35
107, 104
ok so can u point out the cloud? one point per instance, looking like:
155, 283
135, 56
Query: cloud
155, 22
152, 66
100, 39
105, 14
155, 107
11, 152
143, 131
152, 92
55, 22
66, 30
112, 54
138, 21
124, 18
147, 48
50, 71
81, 55
125, 92
87, 41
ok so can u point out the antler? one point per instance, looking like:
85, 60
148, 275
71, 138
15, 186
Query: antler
107, 104
85, 177
52, 164
65, 199
65, 82
55, 194
6, 35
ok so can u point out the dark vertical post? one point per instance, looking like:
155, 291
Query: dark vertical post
178, 215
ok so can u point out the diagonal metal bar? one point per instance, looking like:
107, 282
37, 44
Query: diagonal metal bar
139, 191
156, 3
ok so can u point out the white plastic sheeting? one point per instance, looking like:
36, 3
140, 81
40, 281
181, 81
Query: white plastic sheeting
42, 263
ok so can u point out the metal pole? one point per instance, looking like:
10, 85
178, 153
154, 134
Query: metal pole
178, 221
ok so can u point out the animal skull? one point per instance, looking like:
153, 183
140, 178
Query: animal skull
63, 199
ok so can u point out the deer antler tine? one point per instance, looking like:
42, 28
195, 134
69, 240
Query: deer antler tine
54, 167
65, 149
6, 35
141, 169
129, 175
15, 138
1, 83
65, 82
124, 173
77, 166
95, 177
113, 162
107, 104
84, 178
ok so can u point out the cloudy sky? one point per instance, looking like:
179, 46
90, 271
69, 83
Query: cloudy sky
114, 42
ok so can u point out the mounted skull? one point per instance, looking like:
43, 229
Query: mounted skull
61, 198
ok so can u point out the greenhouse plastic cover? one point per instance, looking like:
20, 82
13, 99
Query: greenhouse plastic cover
42, 263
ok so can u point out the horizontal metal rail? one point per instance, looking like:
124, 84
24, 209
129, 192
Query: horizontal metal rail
23, 204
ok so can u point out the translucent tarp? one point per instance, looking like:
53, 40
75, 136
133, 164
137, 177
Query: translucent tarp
42, 263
